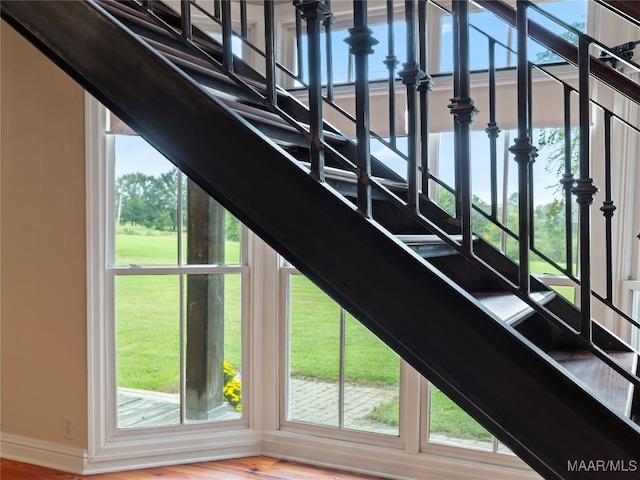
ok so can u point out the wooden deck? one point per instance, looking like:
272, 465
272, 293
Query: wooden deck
138, 408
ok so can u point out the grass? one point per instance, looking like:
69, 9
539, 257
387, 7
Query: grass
445, 418
148, 312
144, 246
315, 340
148, 333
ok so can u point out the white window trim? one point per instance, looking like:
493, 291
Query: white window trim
108, 449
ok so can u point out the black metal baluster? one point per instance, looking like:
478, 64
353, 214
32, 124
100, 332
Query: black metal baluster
299, 56
227, 23
532, 224
584, 190
185, 20
411, 74
456, 124
270, 55
217, 9
361, 42
424, 87
462, 107
608, 208
493, 130
568, 180
313, 11
329, 20
243, 19
391, 61
148, 5
522, 149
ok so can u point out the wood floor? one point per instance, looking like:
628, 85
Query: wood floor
256, 468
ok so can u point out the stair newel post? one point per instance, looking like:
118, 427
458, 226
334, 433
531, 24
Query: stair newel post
524, 152
584, 190
391, 61
493, 130
411, 74
568, 180
270, 55
424, 87
462, 108
314, 11
185, 19
608, 207
227, 23
360, 42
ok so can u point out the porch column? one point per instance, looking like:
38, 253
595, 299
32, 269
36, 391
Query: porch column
205, 307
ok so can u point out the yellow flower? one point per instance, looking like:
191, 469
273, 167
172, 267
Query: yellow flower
232, 387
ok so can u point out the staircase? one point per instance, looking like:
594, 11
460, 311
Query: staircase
520, 359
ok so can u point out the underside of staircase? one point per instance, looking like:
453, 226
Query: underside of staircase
529, 383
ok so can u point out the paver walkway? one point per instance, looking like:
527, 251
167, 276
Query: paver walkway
311, 401
316, 402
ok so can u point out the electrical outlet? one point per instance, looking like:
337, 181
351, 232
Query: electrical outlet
67, 428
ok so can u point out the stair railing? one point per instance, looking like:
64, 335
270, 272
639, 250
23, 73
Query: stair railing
583, 187
462, 106
524, 151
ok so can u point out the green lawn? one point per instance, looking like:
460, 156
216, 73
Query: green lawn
144, 246
148, 312
148, 332
445, 418
315, 340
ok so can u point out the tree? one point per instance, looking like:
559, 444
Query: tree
570, 36
550, 219
148, 200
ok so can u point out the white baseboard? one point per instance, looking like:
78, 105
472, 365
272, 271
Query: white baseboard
132, 454
386, 462
146, 451
43, 453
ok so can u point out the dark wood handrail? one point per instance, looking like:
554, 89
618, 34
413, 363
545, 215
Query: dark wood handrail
599, 69
625, 7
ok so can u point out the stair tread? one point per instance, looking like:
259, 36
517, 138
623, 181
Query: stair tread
602, 380
339, 174
428, 239
425, 239
509, 307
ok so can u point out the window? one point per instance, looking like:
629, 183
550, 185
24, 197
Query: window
177, 284
338, 373
572, 12
338, 377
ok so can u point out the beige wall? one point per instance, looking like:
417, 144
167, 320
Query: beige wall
43, 308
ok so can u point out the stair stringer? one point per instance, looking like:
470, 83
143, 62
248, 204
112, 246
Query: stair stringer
494, 373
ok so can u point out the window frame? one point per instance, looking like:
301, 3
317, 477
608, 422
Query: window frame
110, 448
